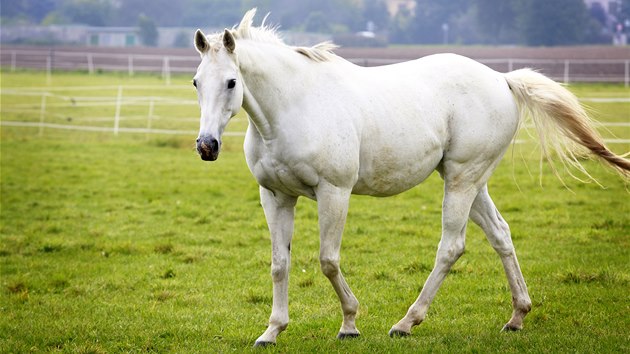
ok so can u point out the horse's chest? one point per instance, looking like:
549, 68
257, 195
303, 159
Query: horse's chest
293, 178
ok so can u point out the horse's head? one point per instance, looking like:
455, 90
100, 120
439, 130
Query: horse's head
219, 87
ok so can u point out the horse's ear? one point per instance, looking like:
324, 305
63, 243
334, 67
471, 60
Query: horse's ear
201, 42
228, 41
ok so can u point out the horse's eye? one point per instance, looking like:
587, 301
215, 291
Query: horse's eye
195, 83
231, 84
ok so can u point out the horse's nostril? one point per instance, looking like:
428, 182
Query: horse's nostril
214, 145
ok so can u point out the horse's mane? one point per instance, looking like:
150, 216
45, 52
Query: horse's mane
269, 34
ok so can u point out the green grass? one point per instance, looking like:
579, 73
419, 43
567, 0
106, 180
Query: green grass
132, 244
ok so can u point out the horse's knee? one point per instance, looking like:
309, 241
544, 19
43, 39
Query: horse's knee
329, 266
279, 269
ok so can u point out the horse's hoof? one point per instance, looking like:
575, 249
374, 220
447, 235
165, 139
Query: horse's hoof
348, 335
510, 328
397, 333
263, 344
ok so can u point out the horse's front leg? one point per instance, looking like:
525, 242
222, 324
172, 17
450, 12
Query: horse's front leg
279, 212
332, 206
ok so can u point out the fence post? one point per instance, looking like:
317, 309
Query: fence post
42, 112
48, 69
118, 104
130, 65
510, 64
150, 117
166, 70
90, 63
566, 71
626, 78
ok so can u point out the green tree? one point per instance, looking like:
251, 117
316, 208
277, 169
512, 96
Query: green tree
496, 20
317, 21
598, 13
375, 11
33, 11
431, 15
182, 40
54, 18
623, 12
163, 12
550, 23
400, 27
147, 31
212, 13
340, 15
89, 12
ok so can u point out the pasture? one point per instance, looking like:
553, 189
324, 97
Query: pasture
131, 243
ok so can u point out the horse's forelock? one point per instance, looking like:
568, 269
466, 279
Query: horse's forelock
215, 42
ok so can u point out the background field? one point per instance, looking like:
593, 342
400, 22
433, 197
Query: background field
132, 243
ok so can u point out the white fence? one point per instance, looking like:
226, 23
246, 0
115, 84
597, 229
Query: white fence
128, 111
124, 111
49, 60
566, 70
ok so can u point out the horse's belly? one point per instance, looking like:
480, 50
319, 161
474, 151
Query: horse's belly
394, 174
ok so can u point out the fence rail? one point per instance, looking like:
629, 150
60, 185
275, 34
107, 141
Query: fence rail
126, 109
566, 70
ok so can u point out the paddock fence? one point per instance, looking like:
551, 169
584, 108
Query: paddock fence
169, 110
565, 70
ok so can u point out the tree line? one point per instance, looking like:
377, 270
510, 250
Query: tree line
529, 22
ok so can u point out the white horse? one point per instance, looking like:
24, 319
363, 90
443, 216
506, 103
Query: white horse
324, 128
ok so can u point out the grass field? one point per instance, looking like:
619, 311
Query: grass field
131, 243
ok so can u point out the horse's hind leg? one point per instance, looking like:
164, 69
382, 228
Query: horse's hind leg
458, 199
486, 215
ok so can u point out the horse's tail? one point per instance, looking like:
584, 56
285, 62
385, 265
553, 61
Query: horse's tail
560, 121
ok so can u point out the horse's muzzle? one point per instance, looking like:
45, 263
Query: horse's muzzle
208, 148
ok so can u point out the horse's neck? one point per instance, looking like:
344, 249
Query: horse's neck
269, 75
257, 115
